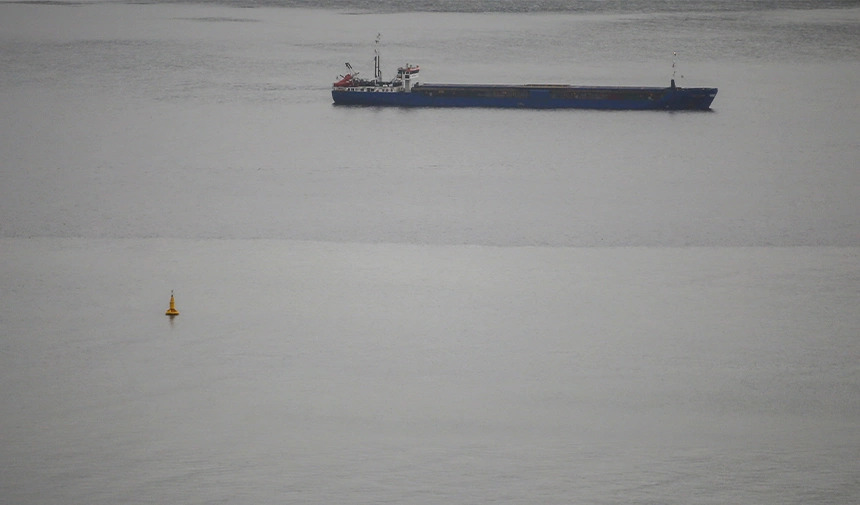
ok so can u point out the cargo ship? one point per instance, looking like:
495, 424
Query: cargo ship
405, 91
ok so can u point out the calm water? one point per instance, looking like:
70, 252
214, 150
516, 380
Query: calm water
428, 306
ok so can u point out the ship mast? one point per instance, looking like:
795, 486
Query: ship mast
674, 67
377, 70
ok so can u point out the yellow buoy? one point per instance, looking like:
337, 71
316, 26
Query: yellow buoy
172, 310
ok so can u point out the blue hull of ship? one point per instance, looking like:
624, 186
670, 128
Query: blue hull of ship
534, 97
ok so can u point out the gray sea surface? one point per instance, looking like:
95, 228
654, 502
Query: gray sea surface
425, 306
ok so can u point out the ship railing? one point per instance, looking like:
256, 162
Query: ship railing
374, 89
